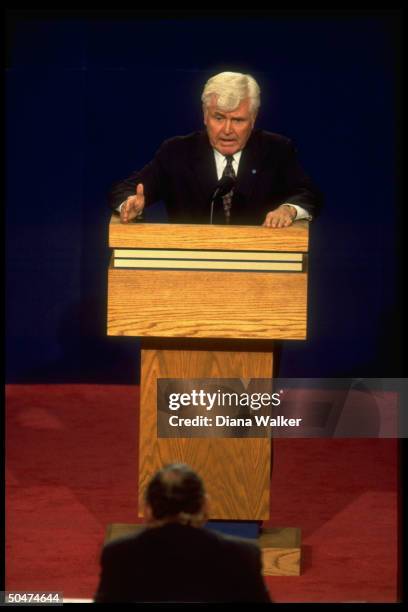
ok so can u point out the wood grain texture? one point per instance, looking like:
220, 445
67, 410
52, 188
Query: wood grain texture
236, 472
207, 304
185, 236
281, 561
281, 551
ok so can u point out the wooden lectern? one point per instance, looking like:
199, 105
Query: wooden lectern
207, 301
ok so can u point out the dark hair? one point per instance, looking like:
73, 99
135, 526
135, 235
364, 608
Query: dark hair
173, 489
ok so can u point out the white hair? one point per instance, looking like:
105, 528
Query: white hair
230, 89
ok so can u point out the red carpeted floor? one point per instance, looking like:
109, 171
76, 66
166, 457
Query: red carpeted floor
71, 469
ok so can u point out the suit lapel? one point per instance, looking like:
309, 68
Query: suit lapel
204, 168
249, 166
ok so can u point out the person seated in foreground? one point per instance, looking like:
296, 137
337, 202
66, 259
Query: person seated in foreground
174, 558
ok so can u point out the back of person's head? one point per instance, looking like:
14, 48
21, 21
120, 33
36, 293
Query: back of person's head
229, 89
176, 493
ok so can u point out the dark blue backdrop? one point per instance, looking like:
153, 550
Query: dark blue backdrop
90, 100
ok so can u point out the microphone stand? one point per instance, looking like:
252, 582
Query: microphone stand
212, 205
225, 185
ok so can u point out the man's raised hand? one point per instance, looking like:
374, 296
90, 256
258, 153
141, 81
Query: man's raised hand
133, 206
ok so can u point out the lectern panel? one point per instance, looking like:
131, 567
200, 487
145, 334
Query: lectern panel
207, 304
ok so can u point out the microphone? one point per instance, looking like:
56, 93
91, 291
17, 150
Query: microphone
224, 186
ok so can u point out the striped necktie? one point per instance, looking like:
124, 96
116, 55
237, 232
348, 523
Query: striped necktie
227, 199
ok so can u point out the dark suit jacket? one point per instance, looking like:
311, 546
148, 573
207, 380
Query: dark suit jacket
183, 174
181, 563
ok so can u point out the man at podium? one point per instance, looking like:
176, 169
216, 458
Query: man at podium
228, 173
173, 286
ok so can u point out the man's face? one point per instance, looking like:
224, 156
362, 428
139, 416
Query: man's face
229, 131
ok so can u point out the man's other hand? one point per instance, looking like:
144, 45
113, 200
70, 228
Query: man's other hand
133, 206
283, 216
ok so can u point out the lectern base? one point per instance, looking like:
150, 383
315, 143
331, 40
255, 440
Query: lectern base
281, 551
281, 547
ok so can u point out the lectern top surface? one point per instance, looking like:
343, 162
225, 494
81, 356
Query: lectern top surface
188, 236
